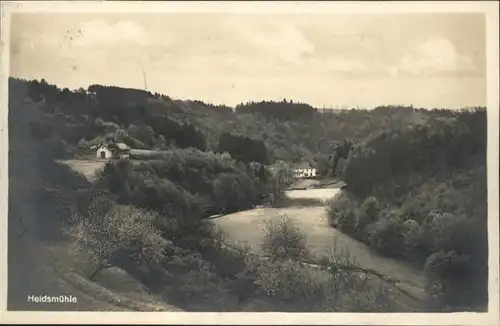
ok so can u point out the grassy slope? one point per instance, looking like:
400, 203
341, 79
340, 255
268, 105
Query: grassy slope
41, 267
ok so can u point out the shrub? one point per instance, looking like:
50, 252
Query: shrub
447, 274
122, 233
417, 242
341, 213
284, 240
287, 283
444, 229
364, 294
193, 284
386, 236
366, 214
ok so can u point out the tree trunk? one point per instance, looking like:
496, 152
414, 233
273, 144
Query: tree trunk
95, 273
100, 268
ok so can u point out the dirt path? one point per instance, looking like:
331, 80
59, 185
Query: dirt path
31, 272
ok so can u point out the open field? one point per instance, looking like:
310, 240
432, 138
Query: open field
248, 228
89, 167
319, 194
304, 183
86, 167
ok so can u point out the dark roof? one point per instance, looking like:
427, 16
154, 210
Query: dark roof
122, 146
101, 145
302, 165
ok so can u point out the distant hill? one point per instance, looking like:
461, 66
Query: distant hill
415, 179
288, 131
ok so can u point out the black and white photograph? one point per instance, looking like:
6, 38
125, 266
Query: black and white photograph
260, 157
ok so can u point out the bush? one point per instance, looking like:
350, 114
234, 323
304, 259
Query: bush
332, 286
444, 229
122, 233
193, 284
386, 236
417, 242
341, 213
447, 274
366, 214
284, 240
287, 283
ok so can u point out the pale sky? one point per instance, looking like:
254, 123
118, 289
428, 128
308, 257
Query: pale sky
332, 60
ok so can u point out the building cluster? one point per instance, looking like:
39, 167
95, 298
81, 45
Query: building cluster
118, 150
123, 151
304, 170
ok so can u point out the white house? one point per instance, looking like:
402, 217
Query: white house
304, 170
103, 152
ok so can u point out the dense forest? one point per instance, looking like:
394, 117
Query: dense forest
416, 190
419, 194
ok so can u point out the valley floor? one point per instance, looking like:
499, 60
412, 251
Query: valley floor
248, 228
115, 290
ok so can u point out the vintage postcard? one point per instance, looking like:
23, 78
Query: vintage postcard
250, 162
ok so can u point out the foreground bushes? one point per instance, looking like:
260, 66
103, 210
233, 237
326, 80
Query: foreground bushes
283, 240
209, 273
419, 193
451, 247
289, 279
109, 234
186, 183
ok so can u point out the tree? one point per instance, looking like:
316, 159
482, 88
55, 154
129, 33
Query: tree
281, 177
284, 240
368, 213
386, 236
123, 232
341, 151
142, 133
243, 148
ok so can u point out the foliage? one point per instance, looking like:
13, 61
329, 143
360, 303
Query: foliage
430, 182
386, 236
123, 232
368, 212
284, 240
282, 176
287, 130
437, 147
427, 164
243, 148
341, 213
280, 110
447, 273
185, 183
